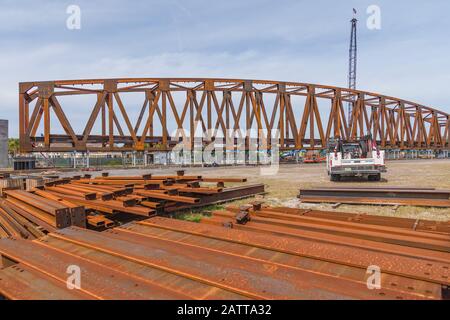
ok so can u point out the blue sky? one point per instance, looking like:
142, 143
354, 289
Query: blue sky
304, 41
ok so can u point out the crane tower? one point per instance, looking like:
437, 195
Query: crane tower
352, 63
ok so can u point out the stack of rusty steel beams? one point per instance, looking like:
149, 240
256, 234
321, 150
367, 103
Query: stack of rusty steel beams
273, 255
13, 224
48, 214
405, 223
106, 201
7, 182
147, 195
397, 196
414, 255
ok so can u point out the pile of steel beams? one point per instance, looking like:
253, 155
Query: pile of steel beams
43, 213
414, 258
398, 196
7, 182
105, 201
274, 255
13, 224
364, 218
147, 194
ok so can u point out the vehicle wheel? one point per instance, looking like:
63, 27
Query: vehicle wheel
375, 177
335, 177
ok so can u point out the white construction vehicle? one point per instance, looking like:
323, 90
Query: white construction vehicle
360, 158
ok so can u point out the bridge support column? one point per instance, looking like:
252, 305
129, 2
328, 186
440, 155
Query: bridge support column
74, 160
133, 159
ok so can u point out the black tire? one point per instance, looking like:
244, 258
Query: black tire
335, 177
375, 177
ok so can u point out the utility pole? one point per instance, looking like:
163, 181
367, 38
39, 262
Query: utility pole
352, 64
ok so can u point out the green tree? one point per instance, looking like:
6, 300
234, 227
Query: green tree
13, 146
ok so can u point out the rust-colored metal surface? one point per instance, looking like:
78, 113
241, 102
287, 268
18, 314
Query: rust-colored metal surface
411, 263
43, 211
161, 258
218, 104
20, 282
309, 254
437, 242
97, 281
162, 193
85, 201
379, 196
411, 224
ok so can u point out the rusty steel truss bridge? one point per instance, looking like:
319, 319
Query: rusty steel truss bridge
306, 115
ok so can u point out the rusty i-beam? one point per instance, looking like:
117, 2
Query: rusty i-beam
306, 115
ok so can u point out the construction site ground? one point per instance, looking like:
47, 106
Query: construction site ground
283, 187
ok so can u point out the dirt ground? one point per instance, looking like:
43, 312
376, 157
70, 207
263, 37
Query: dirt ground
283, 187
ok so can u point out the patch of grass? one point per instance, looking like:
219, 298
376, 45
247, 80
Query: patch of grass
197, 214
192, 217
207, 209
